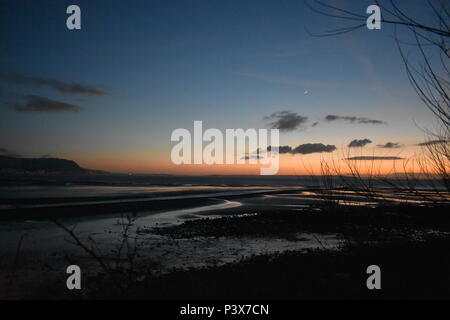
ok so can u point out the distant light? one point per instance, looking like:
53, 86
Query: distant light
306, 92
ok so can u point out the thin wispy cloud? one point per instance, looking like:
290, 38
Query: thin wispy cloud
359, 143
353, 119
372, 158
58, 85
431, 142
36, 103
286, 120
390, 145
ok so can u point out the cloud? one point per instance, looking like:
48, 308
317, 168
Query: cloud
308, 148
431, 142
281, 149
64, 87
286, 120
359, 143
390, 145
9, 153
353, 119
41, 104
373, 158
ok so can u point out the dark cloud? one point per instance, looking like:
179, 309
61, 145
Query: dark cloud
390, 145
373, 158
431, 142
359, 143
7, 152
353, 119
304, 148
64, 87
41, 104
308, 148
281, 149
286, 120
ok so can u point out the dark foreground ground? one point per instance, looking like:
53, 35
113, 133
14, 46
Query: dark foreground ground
409, 243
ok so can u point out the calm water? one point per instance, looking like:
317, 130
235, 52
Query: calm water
123, 188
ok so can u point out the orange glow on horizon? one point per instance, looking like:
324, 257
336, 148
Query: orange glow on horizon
138, 162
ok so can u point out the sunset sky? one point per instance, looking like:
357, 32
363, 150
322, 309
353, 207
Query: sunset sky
109, 95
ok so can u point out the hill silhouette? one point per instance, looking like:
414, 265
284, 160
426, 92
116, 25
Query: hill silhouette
39, 165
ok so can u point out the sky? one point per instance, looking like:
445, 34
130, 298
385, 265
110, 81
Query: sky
109, 95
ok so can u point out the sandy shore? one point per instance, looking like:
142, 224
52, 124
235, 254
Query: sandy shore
186, 233
39, 249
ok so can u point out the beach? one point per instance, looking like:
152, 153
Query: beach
170, 231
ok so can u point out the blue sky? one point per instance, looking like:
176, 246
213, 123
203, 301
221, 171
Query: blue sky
164, 64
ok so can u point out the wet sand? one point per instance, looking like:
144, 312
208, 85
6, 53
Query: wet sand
179, 232
39, 249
